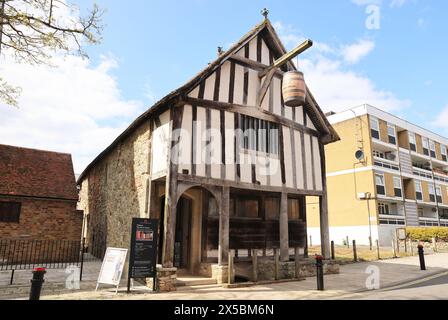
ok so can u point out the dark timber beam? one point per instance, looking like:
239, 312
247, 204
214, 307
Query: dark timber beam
264, 87
252, 112
287, 57
171, 190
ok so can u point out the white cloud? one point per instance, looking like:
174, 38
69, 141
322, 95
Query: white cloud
328, 74
337, 89
441, 121
355, 52
366, 2
398, 3
74, 107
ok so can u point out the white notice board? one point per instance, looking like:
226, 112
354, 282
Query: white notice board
112, 267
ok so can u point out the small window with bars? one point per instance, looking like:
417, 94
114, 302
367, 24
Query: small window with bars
259, 135
10, 212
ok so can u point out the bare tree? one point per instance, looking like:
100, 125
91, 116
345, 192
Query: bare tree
32, 31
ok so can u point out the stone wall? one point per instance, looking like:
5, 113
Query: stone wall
116, 189
43, 220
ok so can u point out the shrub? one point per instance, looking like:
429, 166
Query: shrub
426, 234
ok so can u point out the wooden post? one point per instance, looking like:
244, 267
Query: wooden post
223, 248
410, 245
277, 264
230, 267
434, 244
394, 248
323, 207
378, 249
355, 254
297, 262
171, 189
284, 238
255, 265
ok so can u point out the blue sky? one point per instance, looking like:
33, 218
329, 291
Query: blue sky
161, 44
152, 47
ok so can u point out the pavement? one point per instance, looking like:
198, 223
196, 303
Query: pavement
395, 279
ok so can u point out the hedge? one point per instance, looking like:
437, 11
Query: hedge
426, 234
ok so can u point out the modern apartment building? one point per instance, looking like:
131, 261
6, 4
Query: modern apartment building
385, 173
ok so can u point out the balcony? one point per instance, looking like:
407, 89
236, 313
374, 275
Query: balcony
428, 222
387, 164
421, 172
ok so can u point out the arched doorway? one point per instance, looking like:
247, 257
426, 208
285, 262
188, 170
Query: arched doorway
196, 229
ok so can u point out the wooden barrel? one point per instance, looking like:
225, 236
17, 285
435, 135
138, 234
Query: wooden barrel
294, 89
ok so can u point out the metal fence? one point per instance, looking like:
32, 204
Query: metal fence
50, 254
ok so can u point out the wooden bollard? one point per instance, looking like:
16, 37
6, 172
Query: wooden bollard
277, 263
378, 249
355, 254
434, 244
297, 262
230, 265
255, 265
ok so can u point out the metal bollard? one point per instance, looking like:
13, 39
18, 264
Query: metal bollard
320, 272
421, 255
332, 251
36, 283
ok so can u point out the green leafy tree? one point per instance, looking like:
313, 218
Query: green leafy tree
33, 31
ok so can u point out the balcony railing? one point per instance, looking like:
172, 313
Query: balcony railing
441, 177
422, 172
386, 219
428, 222
387, 164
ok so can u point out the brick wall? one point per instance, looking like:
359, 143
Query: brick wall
44, 220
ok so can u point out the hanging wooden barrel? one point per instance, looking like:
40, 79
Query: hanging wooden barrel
294, 89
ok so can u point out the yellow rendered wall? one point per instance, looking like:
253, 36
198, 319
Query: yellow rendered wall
344, 209
341, 155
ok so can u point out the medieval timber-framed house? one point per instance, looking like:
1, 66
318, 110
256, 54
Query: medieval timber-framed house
240, 185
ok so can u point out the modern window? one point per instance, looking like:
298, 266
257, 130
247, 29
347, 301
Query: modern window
439, 194
380, 186
443, 152
392, 134
379, 154
383, 208
432, 148
432, 194
374, 127
418, 190
10, 212
412, 141
397, 187
425, 142
259, 135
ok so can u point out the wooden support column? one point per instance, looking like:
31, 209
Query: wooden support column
323, 209
171, 189
223, 249
284, 237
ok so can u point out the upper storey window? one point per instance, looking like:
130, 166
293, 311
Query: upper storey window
425, 146
391, 134
432, 148
374, 127
259, 135
412, 141
443, 152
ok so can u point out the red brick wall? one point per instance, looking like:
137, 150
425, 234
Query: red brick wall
44, 220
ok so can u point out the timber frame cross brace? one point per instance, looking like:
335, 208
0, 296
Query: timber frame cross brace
269, 72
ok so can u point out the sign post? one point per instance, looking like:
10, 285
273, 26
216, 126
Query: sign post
112, 267
142, 260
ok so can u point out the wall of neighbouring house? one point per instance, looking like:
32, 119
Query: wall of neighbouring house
43, 220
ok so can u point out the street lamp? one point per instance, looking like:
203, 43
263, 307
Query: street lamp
367, 196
